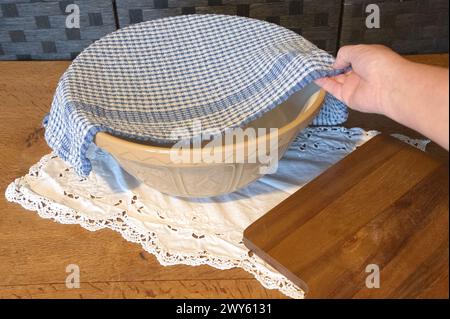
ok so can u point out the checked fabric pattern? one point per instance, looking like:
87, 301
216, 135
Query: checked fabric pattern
150, 79
318, 21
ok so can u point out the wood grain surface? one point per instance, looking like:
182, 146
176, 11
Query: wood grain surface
34, 252
385, 204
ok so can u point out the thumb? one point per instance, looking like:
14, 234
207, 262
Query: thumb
331, 86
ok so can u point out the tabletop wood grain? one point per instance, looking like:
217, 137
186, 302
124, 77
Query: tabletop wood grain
384, 205
34, 252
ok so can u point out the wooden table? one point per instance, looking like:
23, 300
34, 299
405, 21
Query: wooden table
34, 252
383, 209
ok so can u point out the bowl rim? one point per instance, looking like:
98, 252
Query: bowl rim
104, 138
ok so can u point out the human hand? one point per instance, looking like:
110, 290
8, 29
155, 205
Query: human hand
366, 88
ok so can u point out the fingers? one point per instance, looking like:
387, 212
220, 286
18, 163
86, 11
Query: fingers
344, 57
332, 86
352, 54
341, 78
360, 54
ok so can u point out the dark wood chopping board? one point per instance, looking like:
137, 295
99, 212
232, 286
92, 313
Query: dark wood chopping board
385, 204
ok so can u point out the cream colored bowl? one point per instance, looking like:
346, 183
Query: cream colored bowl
154, 166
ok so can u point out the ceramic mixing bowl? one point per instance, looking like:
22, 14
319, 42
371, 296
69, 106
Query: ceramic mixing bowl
154, 165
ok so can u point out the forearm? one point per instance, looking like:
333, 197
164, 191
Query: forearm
418, 97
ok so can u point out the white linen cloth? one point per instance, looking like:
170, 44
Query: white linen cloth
180, 230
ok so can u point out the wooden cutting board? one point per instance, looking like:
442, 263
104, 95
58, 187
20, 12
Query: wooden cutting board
379, 215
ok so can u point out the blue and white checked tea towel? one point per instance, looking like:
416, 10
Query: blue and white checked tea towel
146, 80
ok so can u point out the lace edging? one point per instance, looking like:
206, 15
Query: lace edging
49, 209
421, 144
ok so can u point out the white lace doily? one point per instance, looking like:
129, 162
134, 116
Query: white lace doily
180, 230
